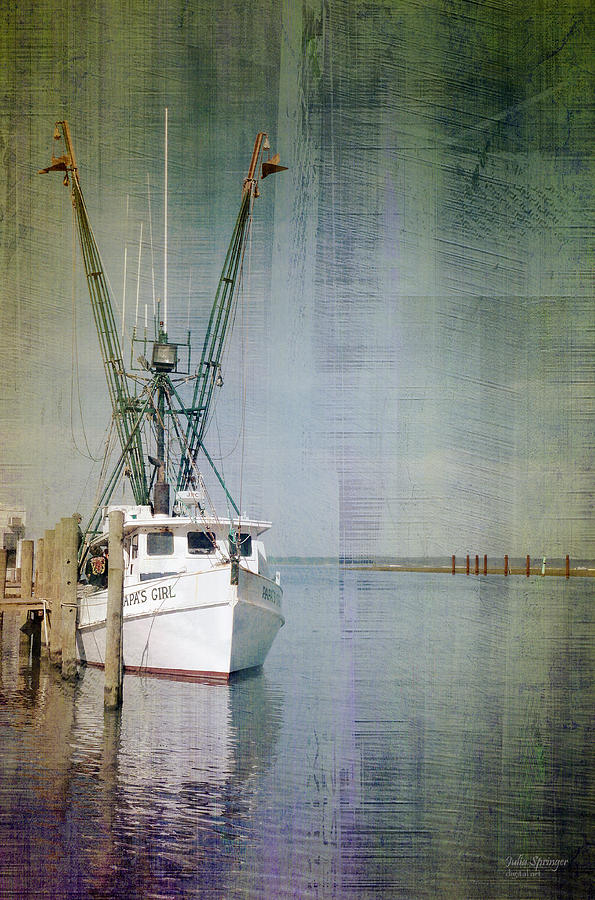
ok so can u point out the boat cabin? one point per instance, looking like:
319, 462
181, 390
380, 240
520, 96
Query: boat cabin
156, 546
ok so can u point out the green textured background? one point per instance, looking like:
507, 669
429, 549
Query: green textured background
420, 329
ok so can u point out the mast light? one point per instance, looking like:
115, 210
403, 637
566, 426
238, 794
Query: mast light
165, 357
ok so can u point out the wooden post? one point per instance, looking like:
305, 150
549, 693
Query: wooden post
476, 564
26, 570
485, 564
112, 691
68, 599
36, 634
467, 565
567, 566
3, 558
48, 552
528, 565
46, 581
506, 564
453, 564
55, 589
39, 568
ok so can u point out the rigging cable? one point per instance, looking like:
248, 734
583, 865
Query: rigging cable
244, 345
182, 439
74, 371
105, 439
227, 337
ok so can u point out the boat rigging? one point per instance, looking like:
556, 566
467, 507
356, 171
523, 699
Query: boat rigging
160, 395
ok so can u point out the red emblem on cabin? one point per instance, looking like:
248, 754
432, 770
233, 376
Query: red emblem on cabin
98, 565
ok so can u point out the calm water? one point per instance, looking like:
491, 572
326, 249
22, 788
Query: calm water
409, 736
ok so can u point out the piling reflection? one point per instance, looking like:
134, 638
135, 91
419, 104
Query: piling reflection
428, 735
107, 805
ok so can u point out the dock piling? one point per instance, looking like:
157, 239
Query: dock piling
112, 691
54, 590
39, 569
485, 564
3, 559
476, 564
506, 564
48, 550
454, 566
26, 570
68, 596
528, 572
36, 634
467, 565
567, 566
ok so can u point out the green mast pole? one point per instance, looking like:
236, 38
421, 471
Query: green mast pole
123, 405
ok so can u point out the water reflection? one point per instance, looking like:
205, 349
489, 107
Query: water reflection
152, 800
478, 758
413, 736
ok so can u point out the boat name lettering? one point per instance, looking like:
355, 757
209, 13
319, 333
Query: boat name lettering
270, 595
163, 592
135, 597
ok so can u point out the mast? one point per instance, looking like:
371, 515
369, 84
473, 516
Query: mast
209, 369
160, 397
123, 404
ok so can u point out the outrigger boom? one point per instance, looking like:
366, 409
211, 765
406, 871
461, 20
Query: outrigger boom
160, 396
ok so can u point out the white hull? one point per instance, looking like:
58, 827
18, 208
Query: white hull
188, 625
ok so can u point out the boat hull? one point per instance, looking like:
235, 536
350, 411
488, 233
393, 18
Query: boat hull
188, 626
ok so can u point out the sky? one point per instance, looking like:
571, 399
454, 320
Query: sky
416, 331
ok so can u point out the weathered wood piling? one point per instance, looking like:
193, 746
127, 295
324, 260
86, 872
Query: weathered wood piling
26, 570
53, 594
112, 692
3, 560
68, 603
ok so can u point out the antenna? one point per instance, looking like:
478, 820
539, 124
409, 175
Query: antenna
125, 258
165, 241
151, 236
140, 244
188, 310
124, 291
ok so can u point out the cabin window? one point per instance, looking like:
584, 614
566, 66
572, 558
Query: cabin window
201, 541
160, 543
245, 544
134, 547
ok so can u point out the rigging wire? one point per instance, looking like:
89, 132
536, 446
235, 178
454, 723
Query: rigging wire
220, 460
244, 344
109, 440
182, 440
74, 373
225, 349
104, 439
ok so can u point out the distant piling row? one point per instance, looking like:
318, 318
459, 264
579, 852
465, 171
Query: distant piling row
49, 576
506, 569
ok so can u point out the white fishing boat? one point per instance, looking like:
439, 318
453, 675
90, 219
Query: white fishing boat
199, 599
189, 610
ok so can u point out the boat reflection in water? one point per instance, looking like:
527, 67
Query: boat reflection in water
110, 804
